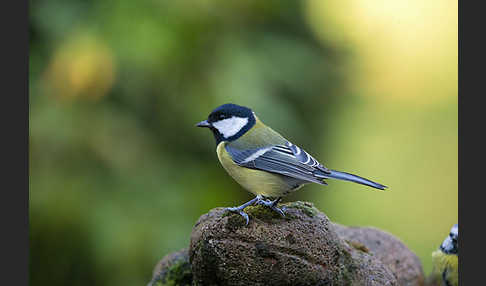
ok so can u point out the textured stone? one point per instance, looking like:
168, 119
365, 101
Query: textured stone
301, 249
173, 269
404, 264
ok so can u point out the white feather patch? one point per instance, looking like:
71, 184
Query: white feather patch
256, 155
230, 126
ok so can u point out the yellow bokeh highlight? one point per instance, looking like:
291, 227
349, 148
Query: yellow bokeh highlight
401, 49
82, 67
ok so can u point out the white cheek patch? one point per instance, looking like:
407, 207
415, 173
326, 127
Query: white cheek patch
230, 126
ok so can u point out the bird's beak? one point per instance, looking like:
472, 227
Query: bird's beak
203, 123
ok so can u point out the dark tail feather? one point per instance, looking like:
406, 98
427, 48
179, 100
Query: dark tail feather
352, 178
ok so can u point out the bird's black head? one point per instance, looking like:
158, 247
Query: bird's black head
229, 121
450, 245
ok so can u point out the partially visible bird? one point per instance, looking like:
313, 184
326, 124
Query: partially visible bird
445, 260
264, 162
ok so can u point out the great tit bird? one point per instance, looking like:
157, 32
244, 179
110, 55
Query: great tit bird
445, 260
264, 162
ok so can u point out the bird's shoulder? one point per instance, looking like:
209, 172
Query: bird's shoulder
262, 142
259, 136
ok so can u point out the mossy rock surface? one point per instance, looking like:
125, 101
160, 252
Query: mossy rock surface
173, 270
301, 248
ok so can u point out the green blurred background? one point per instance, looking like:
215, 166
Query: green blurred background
119, 174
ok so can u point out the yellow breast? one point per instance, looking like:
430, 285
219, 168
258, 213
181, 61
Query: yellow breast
255, 181
447, 264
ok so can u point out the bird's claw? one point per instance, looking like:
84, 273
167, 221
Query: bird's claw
272, 205
239, 211
259, 200
281, 211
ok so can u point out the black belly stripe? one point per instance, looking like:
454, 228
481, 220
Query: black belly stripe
444, 278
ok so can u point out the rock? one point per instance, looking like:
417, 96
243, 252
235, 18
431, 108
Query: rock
173, 269
304, 248
404, 264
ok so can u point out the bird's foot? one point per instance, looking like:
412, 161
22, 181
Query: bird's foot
272, 205
258, 200
240, 209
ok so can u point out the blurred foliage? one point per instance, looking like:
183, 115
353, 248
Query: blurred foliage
119, 174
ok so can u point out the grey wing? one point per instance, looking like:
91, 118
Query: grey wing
286, 159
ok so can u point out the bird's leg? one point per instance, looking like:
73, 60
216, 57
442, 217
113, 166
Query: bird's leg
272, 205
240, 208
275, 202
